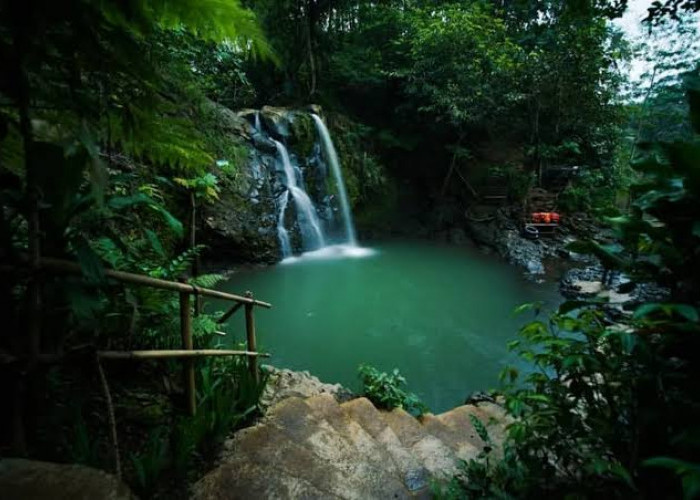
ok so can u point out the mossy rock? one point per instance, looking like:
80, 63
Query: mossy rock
303, 134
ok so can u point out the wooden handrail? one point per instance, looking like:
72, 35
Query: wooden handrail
188, 344
177, 353
137, 279
185, 290
250, 337
229, 313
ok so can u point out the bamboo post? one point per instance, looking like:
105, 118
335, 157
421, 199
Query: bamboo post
230, 312
250, 337
59, 265
193, 244
186, 333
176, 353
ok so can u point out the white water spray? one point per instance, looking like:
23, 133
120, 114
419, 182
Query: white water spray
282, 233
309, 224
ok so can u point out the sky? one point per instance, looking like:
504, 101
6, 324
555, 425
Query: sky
631, 24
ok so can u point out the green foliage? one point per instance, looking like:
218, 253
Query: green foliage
461, 57
607, 407
539, 77
81, 447
518, 180
104, 109
660, 11
659, 109
363, 174
386, 390
228, 396
151, 461
688, 472
593, 190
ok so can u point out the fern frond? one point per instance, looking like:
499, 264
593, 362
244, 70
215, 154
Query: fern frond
207, 280
160, 139
212, 20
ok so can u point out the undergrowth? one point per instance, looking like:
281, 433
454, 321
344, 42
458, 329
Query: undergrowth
386, 390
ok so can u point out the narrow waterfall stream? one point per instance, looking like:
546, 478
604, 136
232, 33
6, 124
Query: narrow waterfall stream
332, 157
257, 124
282, 233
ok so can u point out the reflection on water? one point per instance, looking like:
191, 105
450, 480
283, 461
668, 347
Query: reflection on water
440, 314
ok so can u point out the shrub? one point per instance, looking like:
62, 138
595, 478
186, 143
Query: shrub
611, 405
386, 390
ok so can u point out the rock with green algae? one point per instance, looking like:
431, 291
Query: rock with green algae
242, 224
22, 479
284, 383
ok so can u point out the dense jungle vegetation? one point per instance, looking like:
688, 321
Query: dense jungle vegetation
113, 136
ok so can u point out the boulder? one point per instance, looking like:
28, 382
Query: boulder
284, 383
33, 480
276, 121
229, 120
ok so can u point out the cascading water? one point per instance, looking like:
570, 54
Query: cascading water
257, 125
310, 226
332, 157
282, 233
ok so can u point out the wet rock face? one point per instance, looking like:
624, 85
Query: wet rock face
242, 225
284, 383
593, 281
30, 479
500, 232
276, 121
318, 446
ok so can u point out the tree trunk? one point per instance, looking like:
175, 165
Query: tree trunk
451, 169
311, 16
26, 381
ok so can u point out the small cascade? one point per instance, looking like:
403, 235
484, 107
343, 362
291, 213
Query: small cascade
282, 233
332, 157
304, 182
309, 224
257, 124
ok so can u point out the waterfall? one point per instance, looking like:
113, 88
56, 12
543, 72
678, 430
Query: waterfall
310, 226
257, 125
282, 233
332, 157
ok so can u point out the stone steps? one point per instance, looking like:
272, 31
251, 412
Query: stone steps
315, 447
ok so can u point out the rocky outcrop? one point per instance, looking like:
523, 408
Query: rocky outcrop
242, 224
497, 230
283, 383
33, 480
593, 282
318, 447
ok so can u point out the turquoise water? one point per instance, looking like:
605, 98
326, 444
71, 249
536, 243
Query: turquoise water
441, 314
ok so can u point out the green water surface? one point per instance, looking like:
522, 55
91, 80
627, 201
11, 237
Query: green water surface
441, 314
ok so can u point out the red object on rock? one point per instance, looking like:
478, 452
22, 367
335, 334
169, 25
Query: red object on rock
545, 217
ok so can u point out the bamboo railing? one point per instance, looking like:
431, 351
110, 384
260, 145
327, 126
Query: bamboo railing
187, 354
